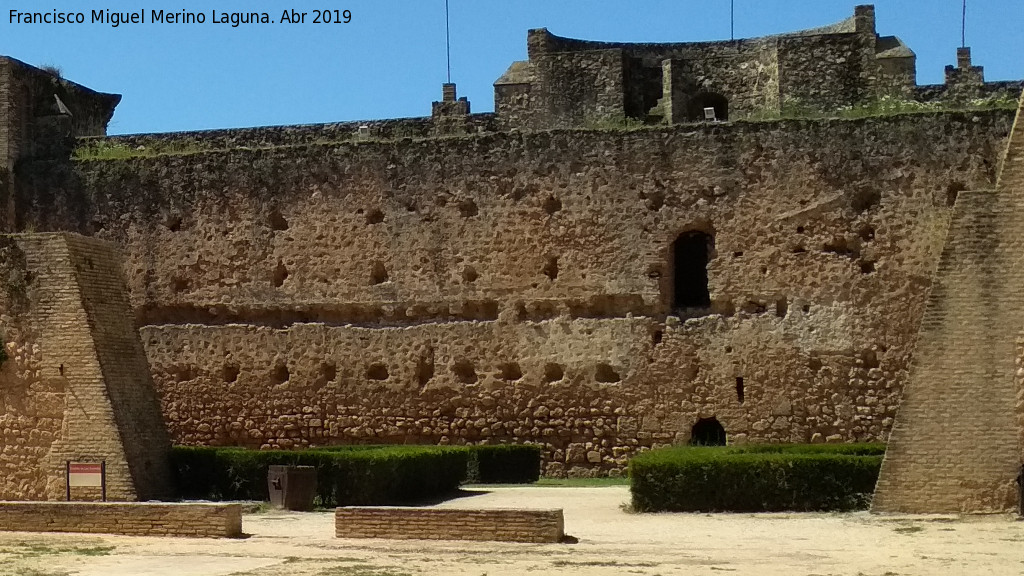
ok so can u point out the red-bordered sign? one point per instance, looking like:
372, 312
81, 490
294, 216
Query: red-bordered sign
86, 475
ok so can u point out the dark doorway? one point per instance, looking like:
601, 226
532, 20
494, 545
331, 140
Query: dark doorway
709, 100
691, 253
707, 432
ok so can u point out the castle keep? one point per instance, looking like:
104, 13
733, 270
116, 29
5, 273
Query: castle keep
645, 244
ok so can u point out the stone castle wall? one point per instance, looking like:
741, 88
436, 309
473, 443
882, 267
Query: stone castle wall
956, 446
570, 83
75, 385
517, 287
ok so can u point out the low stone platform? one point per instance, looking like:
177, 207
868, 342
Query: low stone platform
125, 518
505, 525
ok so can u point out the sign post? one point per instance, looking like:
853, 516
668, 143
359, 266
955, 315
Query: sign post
86, 475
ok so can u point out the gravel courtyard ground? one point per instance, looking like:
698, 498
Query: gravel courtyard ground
612, 541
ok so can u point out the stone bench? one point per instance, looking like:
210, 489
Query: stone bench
125, 518
505, 525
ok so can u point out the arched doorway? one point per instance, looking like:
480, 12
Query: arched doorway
691, 253
707, 432
709, 100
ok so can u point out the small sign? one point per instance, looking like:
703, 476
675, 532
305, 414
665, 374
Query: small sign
86, 475
83, 475
709, 114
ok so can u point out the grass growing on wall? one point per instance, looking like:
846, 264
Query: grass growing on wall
755, 478
886, 106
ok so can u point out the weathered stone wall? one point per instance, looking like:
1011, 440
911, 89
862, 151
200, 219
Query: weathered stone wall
825, 72
517, 287
568, 82
32, 122
956, 443
508, 525
136, 519
76, 385
31, 406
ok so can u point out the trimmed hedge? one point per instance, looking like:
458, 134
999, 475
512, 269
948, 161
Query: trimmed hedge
360, 476
503, 464
487, 463
755, 478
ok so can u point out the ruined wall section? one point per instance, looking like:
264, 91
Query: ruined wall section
62, 395
963, 384
31, 405
407, 231
825, 72
521, 283
122, 359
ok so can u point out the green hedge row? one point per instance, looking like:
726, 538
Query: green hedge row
489, 463
755, 478
357, 477
503, 464
354, 475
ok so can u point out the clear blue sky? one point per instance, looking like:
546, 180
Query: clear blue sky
390, 61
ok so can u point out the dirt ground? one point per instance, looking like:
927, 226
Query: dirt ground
612, 541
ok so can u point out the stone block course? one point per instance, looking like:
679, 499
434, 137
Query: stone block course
505, 525
129, 519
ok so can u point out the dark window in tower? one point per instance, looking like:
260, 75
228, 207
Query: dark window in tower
691, 253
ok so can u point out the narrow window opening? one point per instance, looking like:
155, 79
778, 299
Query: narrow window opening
953, 192
707, 432
740, 392
781, 307
280, 374
511, 372
468, 208
691, 254
425, 370
328, 372
465, 372
173, 222
553, 373
379, 274
551, 268
605, 374
280, 275
552, 205
374, 217
230, 373
180, 285
277, 221
377, 372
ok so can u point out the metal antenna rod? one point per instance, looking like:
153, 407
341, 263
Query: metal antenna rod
963, 28
448, 39
732, 19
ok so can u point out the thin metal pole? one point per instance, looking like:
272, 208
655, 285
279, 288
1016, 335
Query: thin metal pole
963, 28
448, 39
732, 19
